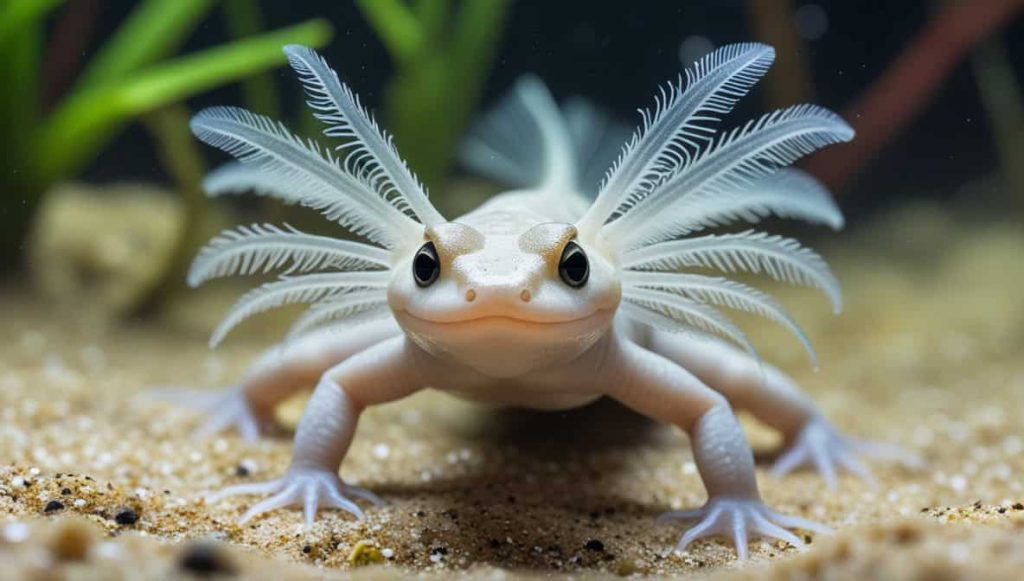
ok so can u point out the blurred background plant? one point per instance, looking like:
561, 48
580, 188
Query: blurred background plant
86, 82
54, 128
52, 132
441, 57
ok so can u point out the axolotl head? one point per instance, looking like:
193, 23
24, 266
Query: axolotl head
504, 303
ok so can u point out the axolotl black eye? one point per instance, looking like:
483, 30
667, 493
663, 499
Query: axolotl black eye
574, 267
425, 265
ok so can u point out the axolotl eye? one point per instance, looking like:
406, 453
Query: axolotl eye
425, 265
574, 267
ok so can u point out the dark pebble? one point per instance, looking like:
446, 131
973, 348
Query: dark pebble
126, 516
494, 543
594, 545
205, 559
241, 471
1018, 506
53, 505
65, 491
439, 551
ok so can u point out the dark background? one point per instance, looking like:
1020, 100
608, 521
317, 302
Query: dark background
617, 53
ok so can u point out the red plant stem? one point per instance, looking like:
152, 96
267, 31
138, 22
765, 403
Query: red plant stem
893, 100
69, 40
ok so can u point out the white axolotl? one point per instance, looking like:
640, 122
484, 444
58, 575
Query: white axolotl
542, 297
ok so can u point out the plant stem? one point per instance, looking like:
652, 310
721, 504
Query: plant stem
431, 98
16, 15
244, 20
1004, 105
181, 158
433, 16
894, 99
396, 26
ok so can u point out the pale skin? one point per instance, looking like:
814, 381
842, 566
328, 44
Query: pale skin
500, 325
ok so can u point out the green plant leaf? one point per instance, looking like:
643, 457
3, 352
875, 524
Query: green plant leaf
15, 15
90, 117
396, 26
244, 19
155, 29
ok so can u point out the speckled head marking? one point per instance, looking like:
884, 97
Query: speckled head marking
453, 240
547, 241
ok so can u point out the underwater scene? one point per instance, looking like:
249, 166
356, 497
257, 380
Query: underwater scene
509, 289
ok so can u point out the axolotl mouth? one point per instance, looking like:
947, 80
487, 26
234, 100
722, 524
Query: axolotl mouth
505, 346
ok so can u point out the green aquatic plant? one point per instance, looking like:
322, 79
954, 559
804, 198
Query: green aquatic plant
442, 54
135, 73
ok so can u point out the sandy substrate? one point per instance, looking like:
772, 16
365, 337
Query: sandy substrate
97, 483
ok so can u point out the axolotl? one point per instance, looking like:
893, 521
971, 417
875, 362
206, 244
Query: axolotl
548, 296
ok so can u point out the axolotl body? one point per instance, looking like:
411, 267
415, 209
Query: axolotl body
542, 297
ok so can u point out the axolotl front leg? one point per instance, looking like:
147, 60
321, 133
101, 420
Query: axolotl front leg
664, 391
385, 372
775, 399
277, 374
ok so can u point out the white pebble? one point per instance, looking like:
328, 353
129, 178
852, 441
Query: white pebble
107, 550
959, 553
958, 483
387, 553
17, 482
80, 502
381, 451
249, 464
16, 532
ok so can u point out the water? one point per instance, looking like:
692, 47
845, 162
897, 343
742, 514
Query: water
103, 213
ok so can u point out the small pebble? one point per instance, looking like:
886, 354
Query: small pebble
53, 505
594, 545
16, 532
126, 516
71, 541
364, 553
205, 559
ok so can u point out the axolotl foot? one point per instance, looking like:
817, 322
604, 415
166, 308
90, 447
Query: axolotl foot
223, 411
821, 446
310, 488
739, 519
